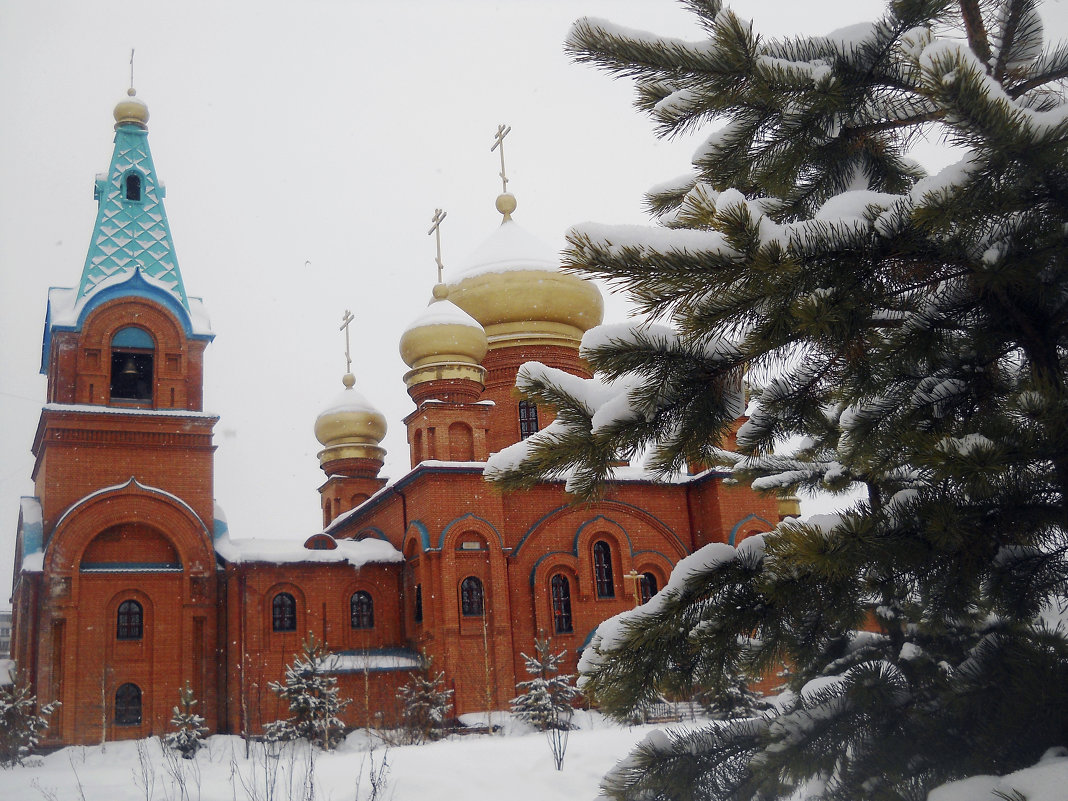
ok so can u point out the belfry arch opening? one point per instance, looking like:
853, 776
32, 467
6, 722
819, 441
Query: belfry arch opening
132, 365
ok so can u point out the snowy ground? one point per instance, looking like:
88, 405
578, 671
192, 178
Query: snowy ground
515, 764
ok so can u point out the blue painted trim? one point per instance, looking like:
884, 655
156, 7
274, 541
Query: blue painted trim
473, 516
534, 527
542, 558
578, 532
424, 535
378, 533
133, 337
742, 522
635, 554
32, 533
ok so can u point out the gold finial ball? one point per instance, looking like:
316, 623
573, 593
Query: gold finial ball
441, 291
506, 203
349, 380
131, 110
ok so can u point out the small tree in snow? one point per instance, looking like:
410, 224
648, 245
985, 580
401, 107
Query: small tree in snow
21, 722
426, 705
188, 736
313, 700
545, 700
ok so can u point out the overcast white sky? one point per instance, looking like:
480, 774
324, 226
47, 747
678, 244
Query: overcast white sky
321, 132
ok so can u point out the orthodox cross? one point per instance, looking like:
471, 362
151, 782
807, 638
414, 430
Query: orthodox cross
498, 141
636, 577
345, 320
437, 219
131, 68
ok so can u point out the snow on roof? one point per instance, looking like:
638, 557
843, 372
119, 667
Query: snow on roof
77, 407
349, 400
355, 552
371, 661
442, 312
65, 307
510, 247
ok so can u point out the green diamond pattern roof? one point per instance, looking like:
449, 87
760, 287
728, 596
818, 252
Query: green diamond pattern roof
131, 234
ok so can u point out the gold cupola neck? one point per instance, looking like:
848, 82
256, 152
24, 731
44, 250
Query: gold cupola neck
131, 110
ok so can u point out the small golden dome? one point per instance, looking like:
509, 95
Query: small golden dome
513, 286
443, 333
131, 111
350, 427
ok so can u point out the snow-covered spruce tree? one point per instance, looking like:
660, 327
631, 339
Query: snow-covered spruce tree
314, 703
189, 729
21, 721
545, 700
908, 333
425, 705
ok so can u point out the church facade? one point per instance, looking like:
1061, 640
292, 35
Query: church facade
128, 584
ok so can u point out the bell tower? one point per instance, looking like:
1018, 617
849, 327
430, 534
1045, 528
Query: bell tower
115, 592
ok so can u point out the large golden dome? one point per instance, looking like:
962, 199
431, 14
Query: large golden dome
443, 342
513, 286
131, 110
350, 427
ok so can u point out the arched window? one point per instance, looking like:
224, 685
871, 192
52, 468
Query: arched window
602, 570
647, 586
362, 609
528, 418
128, 705
418, 611
130, 621
561, 592
133, 187
284, 612
471, 600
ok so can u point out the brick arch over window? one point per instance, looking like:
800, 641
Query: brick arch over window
129, 504
458, 527
746, 527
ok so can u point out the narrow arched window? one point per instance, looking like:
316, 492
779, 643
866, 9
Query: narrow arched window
602, 570
528, 418
284, 612
133, 187
418, 611
647, 586
561, 592
472, 603
130, 621
128, 705
362, 609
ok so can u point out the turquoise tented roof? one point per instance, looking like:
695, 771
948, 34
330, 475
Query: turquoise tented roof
131, 232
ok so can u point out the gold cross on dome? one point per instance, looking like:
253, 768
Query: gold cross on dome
498, 141
131, 68
437, 219
345, 320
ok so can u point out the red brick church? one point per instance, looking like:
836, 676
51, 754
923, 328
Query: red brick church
128, 584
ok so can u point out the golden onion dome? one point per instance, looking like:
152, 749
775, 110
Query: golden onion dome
350, 427
131, 110
512, 284
443, 342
